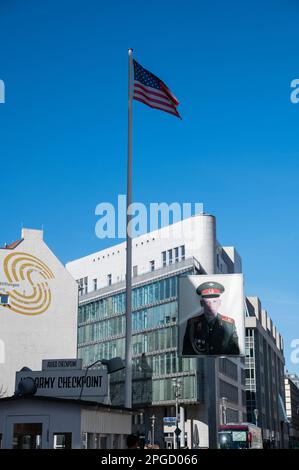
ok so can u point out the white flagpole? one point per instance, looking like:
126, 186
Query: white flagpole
128, 346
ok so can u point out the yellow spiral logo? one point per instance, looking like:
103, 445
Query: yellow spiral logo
34, 275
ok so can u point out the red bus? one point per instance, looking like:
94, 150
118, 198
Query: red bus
240, 436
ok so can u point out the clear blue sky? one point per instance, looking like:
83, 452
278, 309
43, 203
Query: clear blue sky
63, 126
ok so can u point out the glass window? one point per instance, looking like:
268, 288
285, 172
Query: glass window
152, 265
62, 440
86, 285
176, 254
163, 258
169, 256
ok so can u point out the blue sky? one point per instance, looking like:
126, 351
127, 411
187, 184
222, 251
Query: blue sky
63, 128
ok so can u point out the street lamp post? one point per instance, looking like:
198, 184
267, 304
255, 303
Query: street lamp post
177, 384
256, 414
223, 409
113, 365
153, 419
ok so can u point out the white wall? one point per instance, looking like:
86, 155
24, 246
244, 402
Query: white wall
56, 418
197, 234
61, 418
29, 338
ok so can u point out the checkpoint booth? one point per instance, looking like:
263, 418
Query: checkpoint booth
36, 422
63, 406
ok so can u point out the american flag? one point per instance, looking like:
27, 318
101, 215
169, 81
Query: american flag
150, 90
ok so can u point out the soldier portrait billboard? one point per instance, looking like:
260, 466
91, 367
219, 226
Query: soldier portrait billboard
211, 315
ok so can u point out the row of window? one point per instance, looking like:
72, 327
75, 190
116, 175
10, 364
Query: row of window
166, 363
155, 316
163, 390
141, 296
173, 256
228, 368
159, 364
154, 292
157, 390
101, 330
154, 341
229, 391
160, 315
168, 257
107, 350
83, 285
102, 308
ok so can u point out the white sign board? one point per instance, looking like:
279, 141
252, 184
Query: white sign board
57, 364
68, 384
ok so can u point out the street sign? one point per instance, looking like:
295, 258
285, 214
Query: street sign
58, 364
169, 421
177, 431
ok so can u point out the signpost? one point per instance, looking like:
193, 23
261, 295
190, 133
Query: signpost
67, 382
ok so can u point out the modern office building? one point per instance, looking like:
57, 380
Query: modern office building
264, 363
159, 258
38, 307
292, 406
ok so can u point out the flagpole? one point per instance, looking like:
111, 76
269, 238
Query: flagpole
128, 345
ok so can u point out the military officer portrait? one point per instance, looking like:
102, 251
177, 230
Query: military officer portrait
209, 332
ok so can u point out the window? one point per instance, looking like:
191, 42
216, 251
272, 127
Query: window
170, 256
228, 368
229, 391
176, 254
135, 271
163, 259
27, 435
109, 279
152, 265
62, 440
182, 252
80, 284
95, 284
86, 285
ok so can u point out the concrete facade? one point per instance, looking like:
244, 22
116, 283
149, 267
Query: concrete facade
292, 408
265, 375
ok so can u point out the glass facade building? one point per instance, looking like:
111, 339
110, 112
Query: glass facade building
159, 259
101, 334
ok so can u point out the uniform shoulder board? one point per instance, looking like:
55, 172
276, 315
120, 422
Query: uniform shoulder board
228, 319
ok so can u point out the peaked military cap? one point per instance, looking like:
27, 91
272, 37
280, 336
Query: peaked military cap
210, 289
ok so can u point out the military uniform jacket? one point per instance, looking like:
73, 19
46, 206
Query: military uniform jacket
219, 337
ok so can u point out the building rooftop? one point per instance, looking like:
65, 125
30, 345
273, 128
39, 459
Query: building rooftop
66, 401
12, 246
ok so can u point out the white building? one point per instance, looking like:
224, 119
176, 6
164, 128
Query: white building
194, 237
38, 307
35, 422
159, 258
